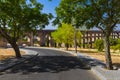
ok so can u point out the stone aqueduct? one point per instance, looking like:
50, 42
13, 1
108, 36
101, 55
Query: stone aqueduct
43, 38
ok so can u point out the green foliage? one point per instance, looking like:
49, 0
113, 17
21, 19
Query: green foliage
114, 48
65, 34
67, 10
18, 17
117, 46
118, 41
24, 39
99, 44
89, 12
102, 14
113, 42
79, 38
87, 45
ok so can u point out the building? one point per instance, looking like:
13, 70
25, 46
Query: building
89, 37
43, 38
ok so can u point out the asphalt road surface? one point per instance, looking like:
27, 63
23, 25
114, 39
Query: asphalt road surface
50, 65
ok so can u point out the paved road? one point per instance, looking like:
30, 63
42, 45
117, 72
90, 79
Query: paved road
50, 65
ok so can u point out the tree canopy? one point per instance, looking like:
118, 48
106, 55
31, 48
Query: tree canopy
20, 16
93, 13
65, 34
102, 14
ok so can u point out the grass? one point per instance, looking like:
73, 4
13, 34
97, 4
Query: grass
7, 53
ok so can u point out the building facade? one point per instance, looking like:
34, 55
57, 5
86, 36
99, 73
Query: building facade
89, 37
43, 38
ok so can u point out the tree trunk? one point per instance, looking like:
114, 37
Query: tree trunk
31, 39
47, 41
67, 46
16, 49
75, 41
55, 44
107, 52
4, 34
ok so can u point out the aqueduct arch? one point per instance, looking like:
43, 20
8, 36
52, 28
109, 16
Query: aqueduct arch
42, 38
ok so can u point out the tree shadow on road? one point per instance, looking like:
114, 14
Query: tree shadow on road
52, 64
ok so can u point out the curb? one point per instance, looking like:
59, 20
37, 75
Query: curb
97, 73
70, 52
19, 61
106, 74
95, 68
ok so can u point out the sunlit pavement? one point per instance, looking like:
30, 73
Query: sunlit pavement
50, 65
97, 67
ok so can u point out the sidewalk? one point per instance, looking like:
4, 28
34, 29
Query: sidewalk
8, 63
98, 68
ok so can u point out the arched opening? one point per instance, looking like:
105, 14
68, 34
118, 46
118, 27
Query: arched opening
36, 41
47, 40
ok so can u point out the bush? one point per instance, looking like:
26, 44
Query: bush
87, 45
113, 42
117, 46
114, 48
99, 45
118, 41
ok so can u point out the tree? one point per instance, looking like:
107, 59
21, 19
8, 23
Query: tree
116, 45
102, 14
18, 17
113, 42
65, 33
99, 44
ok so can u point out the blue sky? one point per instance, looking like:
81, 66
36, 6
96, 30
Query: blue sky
49, 7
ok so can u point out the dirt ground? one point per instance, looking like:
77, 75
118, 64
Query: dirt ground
100, 55
7, 53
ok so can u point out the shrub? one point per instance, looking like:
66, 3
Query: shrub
87, 45
113, 42
99, 44
114, 48
117, 46
118, 41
